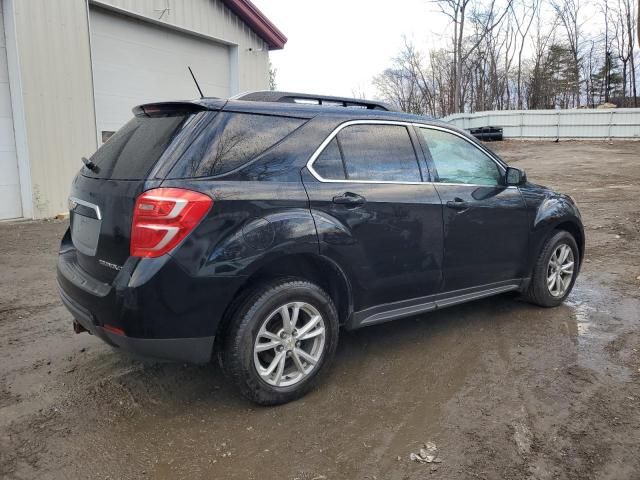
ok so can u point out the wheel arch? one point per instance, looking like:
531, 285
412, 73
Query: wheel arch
557, 212
576, 232
308, 266
543, 230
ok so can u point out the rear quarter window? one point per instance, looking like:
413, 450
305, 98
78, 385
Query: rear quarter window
232, 140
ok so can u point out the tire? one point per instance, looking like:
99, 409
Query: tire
538, 291
245, 335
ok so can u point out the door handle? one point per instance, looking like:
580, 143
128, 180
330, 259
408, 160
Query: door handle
349, 199
458, 204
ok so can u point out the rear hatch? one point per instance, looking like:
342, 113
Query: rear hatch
134, 159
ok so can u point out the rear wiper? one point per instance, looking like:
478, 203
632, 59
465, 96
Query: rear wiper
89, 164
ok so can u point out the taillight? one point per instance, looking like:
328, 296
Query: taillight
163, 217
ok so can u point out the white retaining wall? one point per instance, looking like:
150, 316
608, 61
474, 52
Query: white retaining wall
621, 123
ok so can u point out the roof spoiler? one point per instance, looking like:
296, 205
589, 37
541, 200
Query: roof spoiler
311, 99
163, 109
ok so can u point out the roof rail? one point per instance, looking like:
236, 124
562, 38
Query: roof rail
311, 99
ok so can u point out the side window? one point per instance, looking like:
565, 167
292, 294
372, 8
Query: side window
231, 141
329, 164
458, 161
379, 152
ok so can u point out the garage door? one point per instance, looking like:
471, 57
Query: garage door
136, 62
10, 203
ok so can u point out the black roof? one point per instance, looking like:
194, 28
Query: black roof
282, 103
314, 99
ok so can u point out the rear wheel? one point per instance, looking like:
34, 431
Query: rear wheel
555, 271
282, 337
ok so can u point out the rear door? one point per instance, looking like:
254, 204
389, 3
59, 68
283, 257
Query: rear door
485, 223
374, 214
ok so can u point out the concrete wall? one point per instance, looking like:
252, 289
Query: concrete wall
623, 123
52, 94
52, 98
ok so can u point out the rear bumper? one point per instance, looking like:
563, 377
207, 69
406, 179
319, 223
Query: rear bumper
152, 308
191, 350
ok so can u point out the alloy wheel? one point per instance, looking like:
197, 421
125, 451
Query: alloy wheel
289, 344
560, 270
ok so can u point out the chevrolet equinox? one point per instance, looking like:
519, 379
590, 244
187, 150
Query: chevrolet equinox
254, 229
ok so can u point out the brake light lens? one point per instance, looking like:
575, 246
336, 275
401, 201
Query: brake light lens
163, 217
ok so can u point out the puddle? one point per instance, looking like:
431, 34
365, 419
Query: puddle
601, 316
582, 312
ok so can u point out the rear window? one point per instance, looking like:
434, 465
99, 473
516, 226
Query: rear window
232, 140
132, 151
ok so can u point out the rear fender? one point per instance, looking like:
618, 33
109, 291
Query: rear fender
260, 240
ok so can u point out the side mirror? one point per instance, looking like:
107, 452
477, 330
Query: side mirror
515, 176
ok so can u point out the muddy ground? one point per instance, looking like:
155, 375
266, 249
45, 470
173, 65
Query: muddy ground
504, 389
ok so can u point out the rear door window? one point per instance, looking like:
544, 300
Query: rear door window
379, 153
232, 140
132, 151
329, 164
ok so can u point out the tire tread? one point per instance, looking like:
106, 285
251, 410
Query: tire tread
231, 353
537, 292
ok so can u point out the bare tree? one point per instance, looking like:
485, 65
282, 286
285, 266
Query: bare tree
627, 11
458, 11
519, 54
523, 15
542, 40
404, 82
272, 77
568, 12
622, 46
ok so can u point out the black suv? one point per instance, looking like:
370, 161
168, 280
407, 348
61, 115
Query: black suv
255, 228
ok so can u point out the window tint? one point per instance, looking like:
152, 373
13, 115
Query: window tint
232, 140
133, 150
379, 152
458, 161
329, 164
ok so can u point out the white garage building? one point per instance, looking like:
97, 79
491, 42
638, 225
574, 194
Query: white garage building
71, 70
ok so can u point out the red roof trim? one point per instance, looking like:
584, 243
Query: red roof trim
258, 22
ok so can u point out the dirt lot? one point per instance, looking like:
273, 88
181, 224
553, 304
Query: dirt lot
505, 389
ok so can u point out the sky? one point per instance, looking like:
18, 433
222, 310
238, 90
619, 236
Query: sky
336, 47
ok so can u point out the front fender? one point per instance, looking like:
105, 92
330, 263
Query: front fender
555, 211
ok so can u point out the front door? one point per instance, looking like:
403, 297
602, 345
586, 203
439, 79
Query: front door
486, 231
375, 216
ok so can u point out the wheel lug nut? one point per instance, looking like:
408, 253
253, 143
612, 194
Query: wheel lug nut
283, 335
298, 344
280, 348
288, 353
295, 332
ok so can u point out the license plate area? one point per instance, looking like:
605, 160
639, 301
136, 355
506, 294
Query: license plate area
85, 232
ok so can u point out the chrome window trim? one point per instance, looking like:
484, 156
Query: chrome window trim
90, 205
401, 123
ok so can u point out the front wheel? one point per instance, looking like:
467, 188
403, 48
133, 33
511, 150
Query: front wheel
281, 338
555, 271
